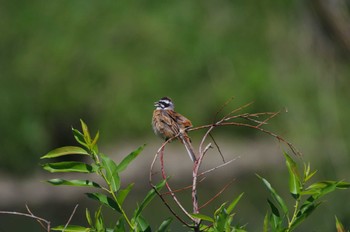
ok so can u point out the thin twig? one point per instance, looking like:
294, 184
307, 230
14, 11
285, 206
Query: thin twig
217, 146
70, 218
30, 216
183, 189
169, 188
222, 107
169, 207
239, 109
216, 195
30, 212
220, 166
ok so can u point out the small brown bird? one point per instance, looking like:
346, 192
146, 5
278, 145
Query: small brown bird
167, 124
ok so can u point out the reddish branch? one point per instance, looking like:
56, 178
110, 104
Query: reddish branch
227, 120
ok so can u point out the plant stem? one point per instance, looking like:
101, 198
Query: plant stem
296, 207
110, 191
121, 209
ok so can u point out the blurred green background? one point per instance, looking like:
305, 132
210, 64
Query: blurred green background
108, 61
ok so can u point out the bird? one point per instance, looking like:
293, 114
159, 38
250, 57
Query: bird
167, 123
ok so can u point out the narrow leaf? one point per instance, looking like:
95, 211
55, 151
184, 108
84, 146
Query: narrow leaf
83, 183
88, 217
125, 162
202, 217
275, 196
339, 225
104, 200
97, 136
303, 215
120, 226
164, 226
123, 193
71, 228
62, 151
86, 133
234, 203
275, 216
111, 172
325, 187
69, 166
266, 223
79, 137
142, 224
294, 179
99, 223
150, 195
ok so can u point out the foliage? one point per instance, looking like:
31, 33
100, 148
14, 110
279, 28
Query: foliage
279, 218
108, 193
307, 198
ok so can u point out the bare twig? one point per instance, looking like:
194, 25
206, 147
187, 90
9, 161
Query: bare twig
169, 207
217, 146
222, 107
70, 218
216, 195
40, 222
255, 121
30, 216
220, 166
183, 189
169, 188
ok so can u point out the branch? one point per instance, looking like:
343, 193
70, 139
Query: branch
40, 222
216, 195
70, 218
169, 188
30, 216
220, 166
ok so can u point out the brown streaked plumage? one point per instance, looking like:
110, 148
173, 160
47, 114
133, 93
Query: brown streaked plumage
167, 123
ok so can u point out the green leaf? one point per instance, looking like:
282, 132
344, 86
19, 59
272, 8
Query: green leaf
83, 183
97, 136
111, 172
86, 133
164, 226
275, 196
125, 162
294, 179
99, 224
62, 151
142, 224
322, 188
150, 195
120, 226
221, 217
104, 200
123, 193
79, 137
307, 174
339, 225
266, 222
202, 217
88, 217
69, 166
71, 228
304, 212
275, 218
234, 203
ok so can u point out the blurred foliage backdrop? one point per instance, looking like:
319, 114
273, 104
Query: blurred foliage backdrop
108, 61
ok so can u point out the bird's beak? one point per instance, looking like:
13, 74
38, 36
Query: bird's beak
156, 104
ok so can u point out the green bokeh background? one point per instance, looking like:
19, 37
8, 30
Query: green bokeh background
108, 61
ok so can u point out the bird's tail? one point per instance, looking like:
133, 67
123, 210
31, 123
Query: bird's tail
188, 145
